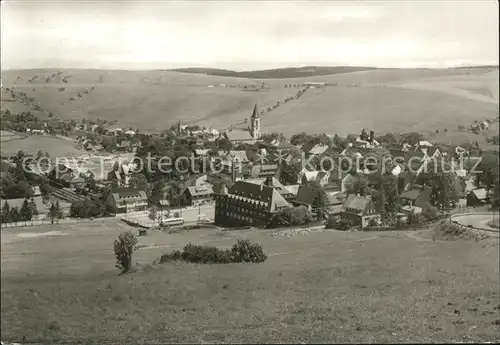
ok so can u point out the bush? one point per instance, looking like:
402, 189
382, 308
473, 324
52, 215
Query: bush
331, 223
429, 213
413, 219
169, 257
124, 246
344, 224
242, 251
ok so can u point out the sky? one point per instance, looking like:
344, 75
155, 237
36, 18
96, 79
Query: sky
247, 35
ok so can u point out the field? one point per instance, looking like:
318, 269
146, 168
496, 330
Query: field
324, 287
385, 100
30, 144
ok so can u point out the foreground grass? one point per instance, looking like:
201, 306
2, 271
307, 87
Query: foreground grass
324, 287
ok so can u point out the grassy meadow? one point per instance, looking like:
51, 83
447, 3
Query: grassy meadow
324, 287
387, 100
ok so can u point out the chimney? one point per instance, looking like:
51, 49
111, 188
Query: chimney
269, 181
372, 135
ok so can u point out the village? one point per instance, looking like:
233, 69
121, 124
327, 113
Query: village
243, 177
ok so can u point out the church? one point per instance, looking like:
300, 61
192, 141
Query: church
249, 135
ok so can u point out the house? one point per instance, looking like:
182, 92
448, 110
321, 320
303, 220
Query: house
484, 125
360, 211
477, 197
197, 195
263, 170
125, 200
36, 128
248, 204
321, 177
346, 182
416, 196
114, 131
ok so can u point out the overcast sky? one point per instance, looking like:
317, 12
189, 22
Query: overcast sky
247, 35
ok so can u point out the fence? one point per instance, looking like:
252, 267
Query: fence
49, 222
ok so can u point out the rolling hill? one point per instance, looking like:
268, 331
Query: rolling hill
300, 72
387, 100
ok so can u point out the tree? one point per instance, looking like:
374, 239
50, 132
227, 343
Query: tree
26, 212
52, 213
124, 247
390, 194
320, 202
5, 213
59, 213
152, 213
14, 215
85, 209
34, 210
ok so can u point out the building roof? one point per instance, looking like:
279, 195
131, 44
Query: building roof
265, 195
357, 203
123, 193
203, 190
239, 135
306, 195
480, 194
293, 188
285, 145
318, 149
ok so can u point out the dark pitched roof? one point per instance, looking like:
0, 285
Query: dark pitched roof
358, 203
258, 193
306, 195
128, 193
255, 113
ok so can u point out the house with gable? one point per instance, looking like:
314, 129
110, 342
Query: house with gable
416, 196
477, 197
125, 200
360, 211
197, 195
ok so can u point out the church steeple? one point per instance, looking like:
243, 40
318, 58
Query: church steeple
255, 123
255, 114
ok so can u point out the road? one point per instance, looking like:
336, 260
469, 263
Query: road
477, 220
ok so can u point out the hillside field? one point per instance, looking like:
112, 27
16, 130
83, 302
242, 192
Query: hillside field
393, 100
59, 286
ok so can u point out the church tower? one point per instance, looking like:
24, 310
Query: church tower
255, 124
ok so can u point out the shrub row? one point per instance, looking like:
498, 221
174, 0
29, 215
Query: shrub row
242, 251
